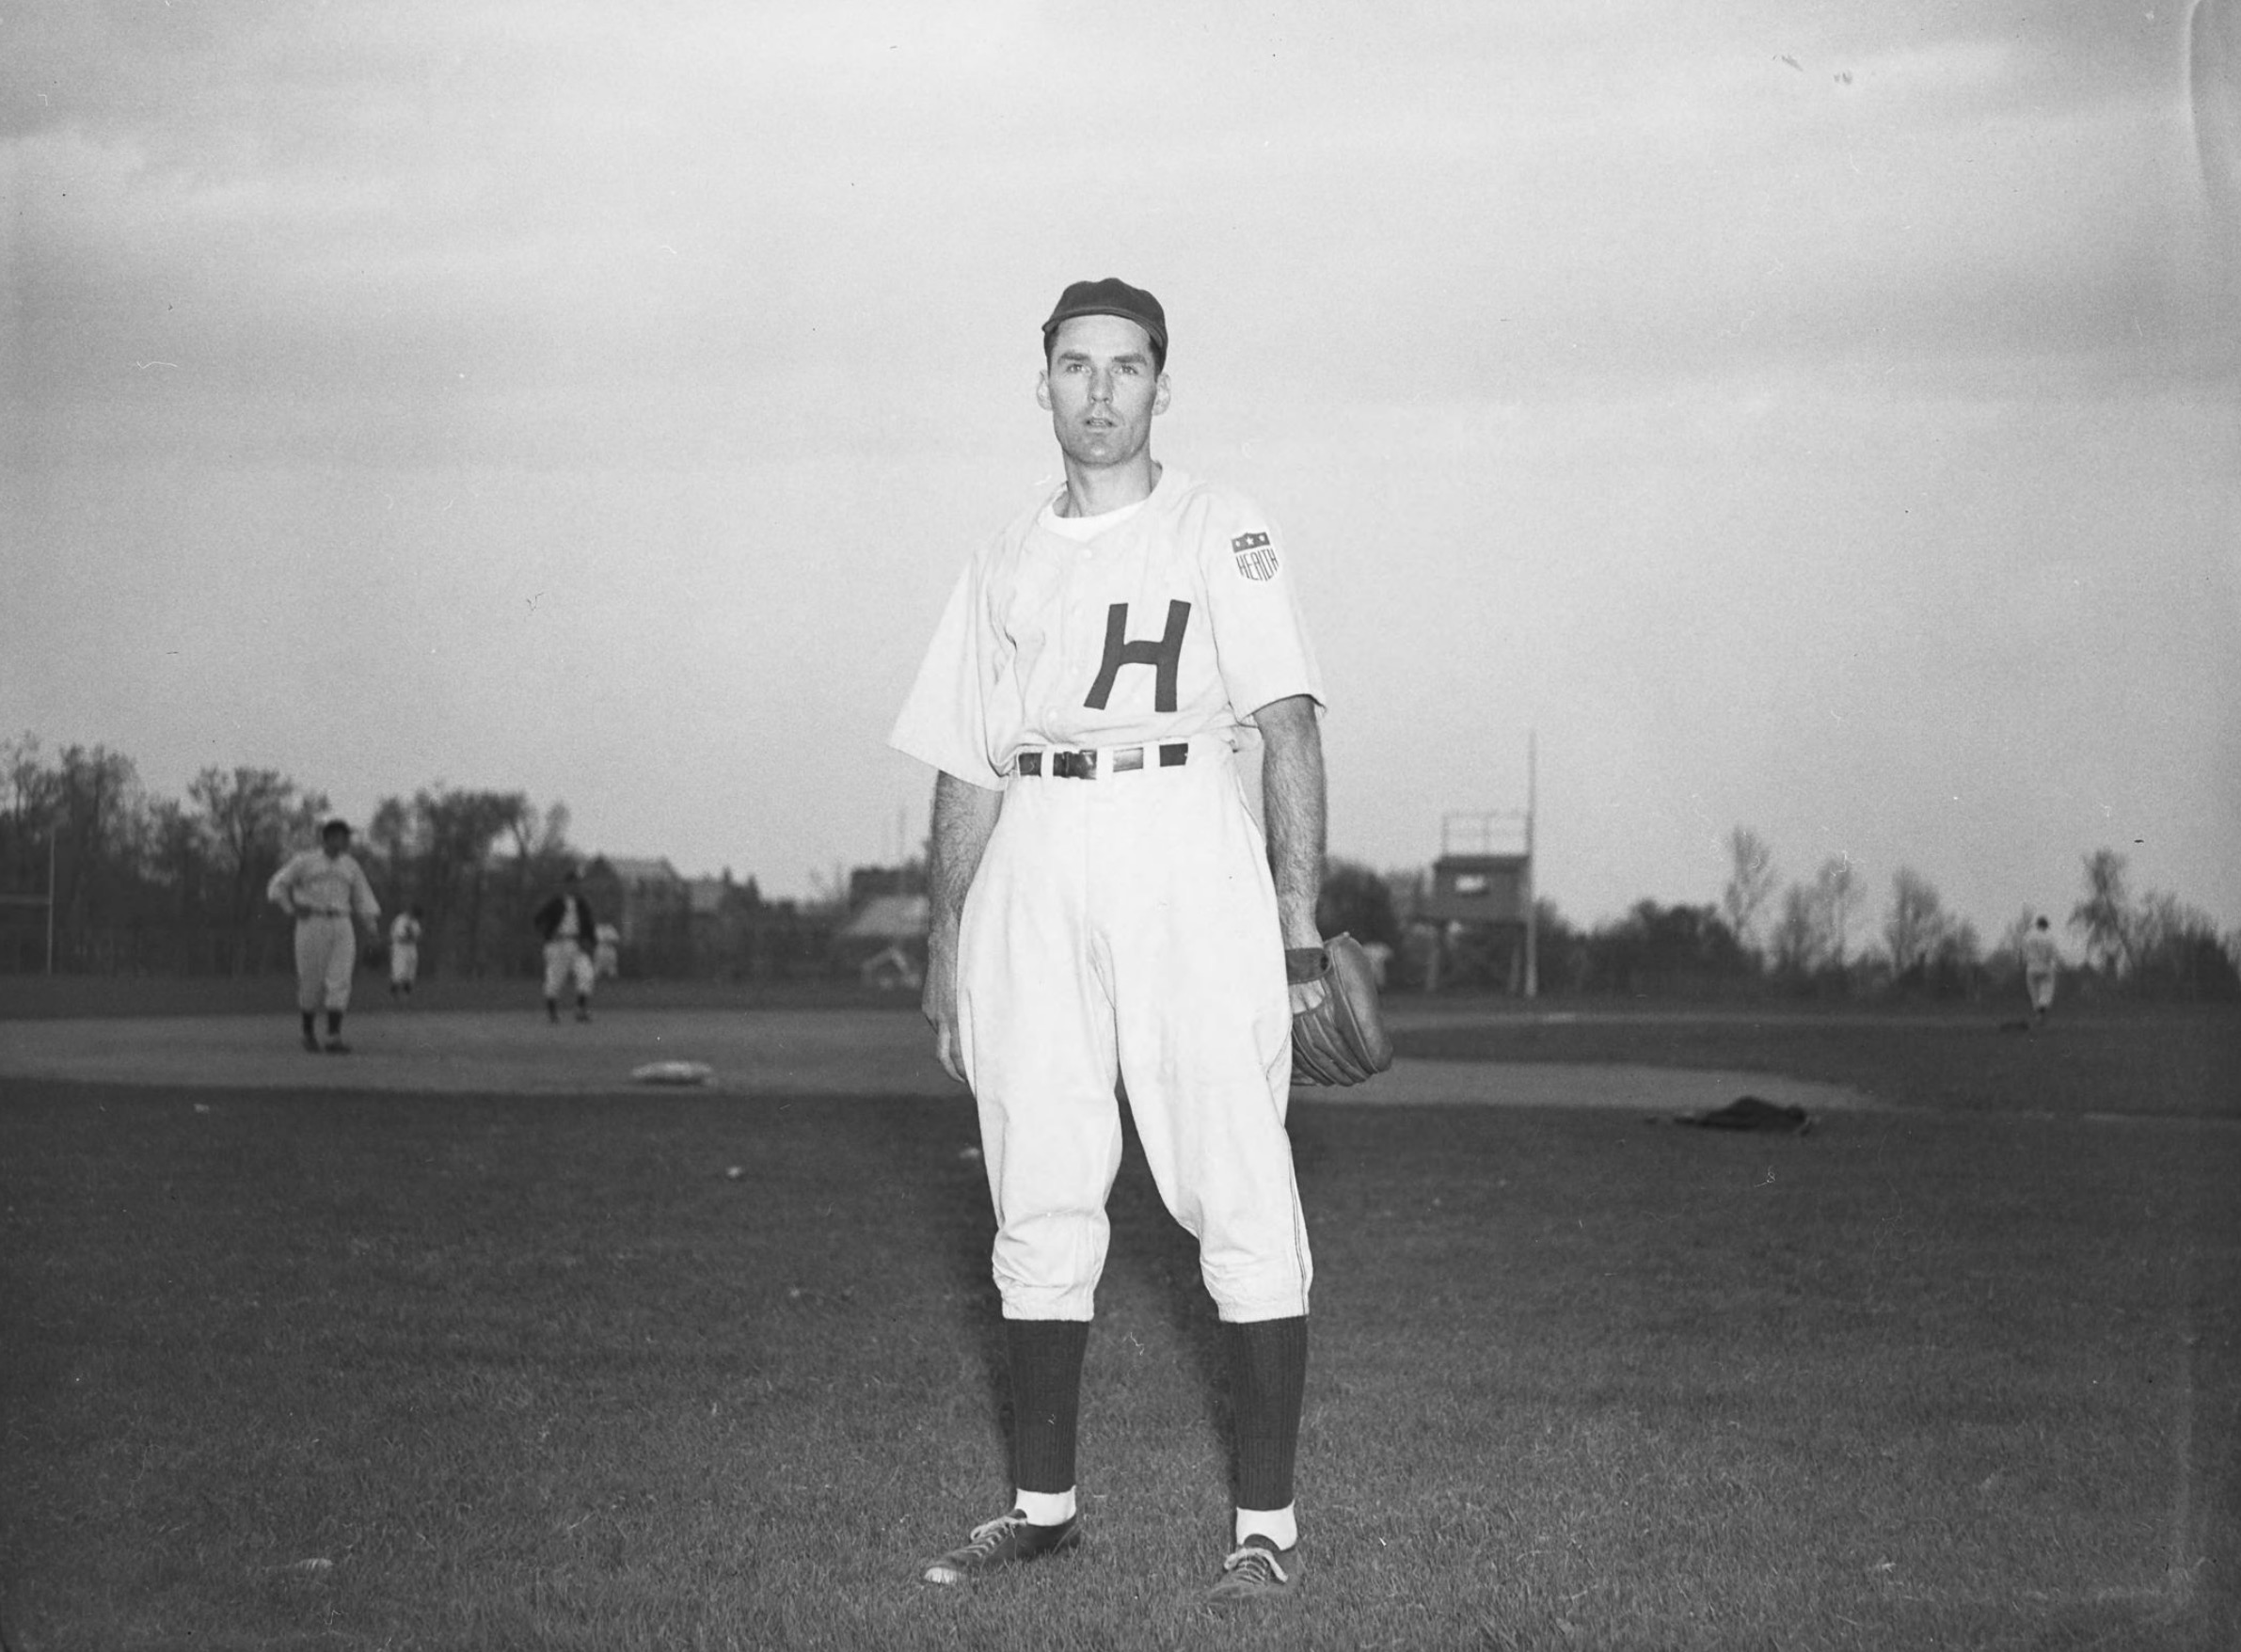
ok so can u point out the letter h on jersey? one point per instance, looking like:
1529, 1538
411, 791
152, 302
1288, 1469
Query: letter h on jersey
1166, 655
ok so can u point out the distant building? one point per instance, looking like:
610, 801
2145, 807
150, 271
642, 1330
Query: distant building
884, 939
869, 883
707, 899
728, 921
892, 971
639, 896
650, 905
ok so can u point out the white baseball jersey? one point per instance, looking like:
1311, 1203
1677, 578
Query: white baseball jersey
1123, 925
312, 881
1180, 620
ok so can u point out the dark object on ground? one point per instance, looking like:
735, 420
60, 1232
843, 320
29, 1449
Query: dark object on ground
1751, 1113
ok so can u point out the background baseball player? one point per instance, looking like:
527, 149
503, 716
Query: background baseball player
405, 953
321, 888
2041, 966
1103, 906
570, 934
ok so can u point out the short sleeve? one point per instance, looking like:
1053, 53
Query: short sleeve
362, 894
1252, 588
944, 722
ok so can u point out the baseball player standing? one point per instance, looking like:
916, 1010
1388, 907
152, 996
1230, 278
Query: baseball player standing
405, 953
2041, 964
321, 888
570, 935
1104, 908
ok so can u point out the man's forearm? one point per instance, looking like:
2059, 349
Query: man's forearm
1292, 805
964, 818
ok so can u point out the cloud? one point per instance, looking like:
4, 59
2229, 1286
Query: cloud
657, 334
359, 207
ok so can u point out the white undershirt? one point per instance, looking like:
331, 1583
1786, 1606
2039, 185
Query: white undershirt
1080, 530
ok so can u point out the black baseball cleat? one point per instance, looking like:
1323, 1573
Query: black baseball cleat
337, 1047
1009, 1539
1256, 1570
583, 1015
312, 1043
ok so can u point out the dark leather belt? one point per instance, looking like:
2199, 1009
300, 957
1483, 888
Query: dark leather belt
1083, 765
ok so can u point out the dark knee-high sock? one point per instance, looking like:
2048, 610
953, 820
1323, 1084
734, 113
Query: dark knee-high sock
1046, 1399
1268, 1362
334, 1023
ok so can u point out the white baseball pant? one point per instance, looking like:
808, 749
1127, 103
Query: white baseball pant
326, 950
565, 962
1126, 926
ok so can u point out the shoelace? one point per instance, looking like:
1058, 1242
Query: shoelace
989, 1535
1257, 1563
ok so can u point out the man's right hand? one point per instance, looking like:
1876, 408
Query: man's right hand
938, 1003
964, 818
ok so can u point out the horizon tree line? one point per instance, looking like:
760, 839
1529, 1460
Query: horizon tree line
143, 883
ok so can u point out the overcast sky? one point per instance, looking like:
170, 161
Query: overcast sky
1821, 417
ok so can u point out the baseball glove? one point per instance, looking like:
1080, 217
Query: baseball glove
1338, 1031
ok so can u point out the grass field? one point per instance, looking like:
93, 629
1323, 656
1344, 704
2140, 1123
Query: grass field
313, 1370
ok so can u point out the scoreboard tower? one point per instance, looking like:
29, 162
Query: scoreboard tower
1482, 888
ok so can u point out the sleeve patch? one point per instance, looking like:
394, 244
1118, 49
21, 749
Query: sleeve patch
1255, 556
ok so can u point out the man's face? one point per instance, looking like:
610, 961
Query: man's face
333, 842
1101, 390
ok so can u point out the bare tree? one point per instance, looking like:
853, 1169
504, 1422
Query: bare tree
1796, 940
1837, 896
100, 825
1356, 902
2177, 952
393, 835
245, 813
1961, 944
1750, 884
2106, 913
2161, 922
459, 828
311, 812
34, 789
1917, 921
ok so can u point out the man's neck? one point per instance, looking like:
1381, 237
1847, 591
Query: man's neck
1093, 492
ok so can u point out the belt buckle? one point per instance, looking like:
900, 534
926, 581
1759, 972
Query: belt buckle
1075, 764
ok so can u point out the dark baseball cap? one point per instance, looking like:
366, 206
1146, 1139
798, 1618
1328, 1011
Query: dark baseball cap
335, 824
1110, 296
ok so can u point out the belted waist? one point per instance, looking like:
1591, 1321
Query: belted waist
321, 911
1087, 765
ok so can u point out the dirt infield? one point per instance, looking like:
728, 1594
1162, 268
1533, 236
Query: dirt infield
751, 1053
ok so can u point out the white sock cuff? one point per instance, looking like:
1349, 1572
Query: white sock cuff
1046, 1508
1280, 1526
